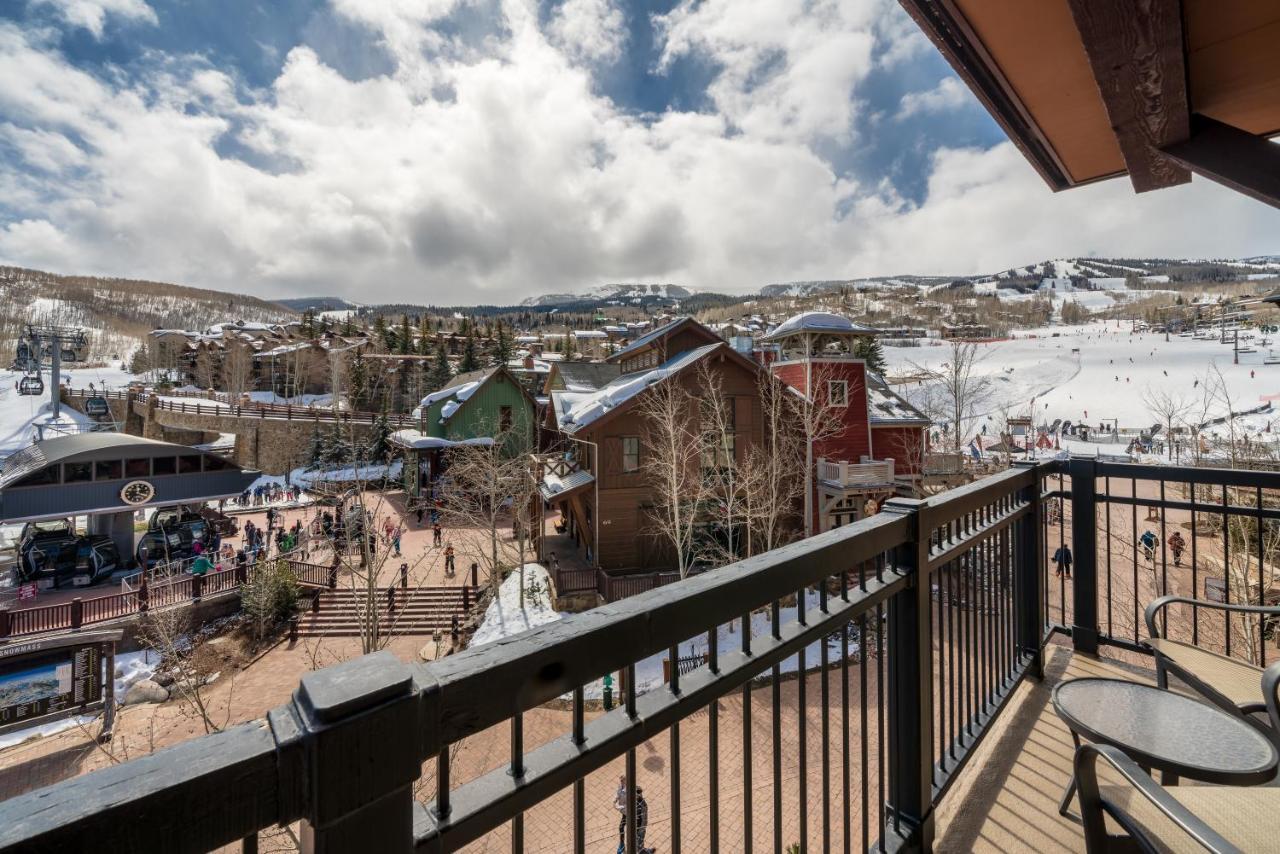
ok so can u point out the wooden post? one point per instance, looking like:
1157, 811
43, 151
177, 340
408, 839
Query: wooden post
6, 623
77, 614
475, 575
197, 586
1029, 575
391, 599
404, 576
453, 626
466, 598
144, 594
356, 720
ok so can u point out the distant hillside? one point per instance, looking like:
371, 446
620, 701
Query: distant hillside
643, 294
301, 304
117, 312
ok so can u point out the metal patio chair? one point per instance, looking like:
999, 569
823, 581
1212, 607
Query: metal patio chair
1226, 819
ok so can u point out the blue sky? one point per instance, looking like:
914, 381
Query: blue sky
480, 150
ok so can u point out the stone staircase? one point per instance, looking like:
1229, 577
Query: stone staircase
418, 611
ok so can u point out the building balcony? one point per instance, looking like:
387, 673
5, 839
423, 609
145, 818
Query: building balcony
865, 474
881, 686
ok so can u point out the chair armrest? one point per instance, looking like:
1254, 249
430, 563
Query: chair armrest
1164, 601
1092, 806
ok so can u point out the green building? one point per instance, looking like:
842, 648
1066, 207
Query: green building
477, 407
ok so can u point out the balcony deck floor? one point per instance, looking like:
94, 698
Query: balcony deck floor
1026, 760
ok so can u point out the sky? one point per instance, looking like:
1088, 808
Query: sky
481, 151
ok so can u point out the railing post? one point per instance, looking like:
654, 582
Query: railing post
909, 804
359, 732
1084, 546
1028, 577
144, 593
77, 614
197, 585
6, 623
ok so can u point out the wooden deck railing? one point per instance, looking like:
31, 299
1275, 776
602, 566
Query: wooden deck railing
175, 590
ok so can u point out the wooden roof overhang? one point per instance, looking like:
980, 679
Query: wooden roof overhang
1155, 89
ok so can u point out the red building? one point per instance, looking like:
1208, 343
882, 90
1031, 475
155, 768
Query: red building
868, 443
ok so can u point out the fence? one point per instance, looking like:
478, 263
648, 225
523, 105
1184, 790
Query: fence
345, 755
176, 590
614, 587
1208, 535
281, 411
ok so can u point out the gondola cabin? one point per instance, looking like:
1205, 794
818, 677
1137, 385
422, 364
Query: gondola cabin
31, 386
97, 407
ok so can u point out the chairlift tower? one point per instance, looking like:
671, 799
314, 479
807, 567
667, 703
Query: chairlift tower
58, 340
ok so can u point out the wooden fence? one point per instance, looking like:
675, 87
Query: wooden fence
177, 591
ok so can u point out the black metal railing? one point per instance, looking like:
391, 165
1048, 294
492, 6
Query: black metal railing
1207, 534
911, 628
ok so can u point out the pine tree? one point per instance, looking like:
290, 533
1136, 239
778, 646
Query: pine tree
379, 438
869, 350
357, 381
348, 328
380, 332
406, 336
318, 450
440, 374
469, 360
570, 346
501, 345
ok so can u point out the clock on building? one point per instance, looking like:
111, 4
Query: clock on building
137, 492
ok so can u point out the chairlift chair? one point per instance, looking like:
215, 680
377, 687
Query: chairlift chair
31, 386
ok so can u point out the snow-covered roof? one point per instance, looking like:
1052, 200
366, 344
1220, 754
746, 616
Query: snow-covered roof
820, 322
645, 339
420, 441
553, 484
884, 406
576, 410
453, 397
590, 333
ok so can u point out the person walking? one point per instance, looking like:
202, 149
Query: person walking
1062, 557
395, 540
448, 561
437, 535
1149, 542
1177, 545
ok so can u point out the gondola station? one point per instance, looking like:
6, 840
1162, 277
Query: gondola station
106, 477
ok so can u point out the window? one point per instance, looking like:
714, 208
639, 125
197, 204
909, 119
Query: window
189, 464
630, 453
77, 472
837, 392
44, 477
137, 468
163, 465
108, 470
504, 419
215, 463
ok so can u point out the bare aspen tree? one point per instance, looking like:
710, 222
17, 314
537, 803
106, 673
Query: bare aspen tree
671, 462
771, 484
819, 421
1170, 411
237, 369
487, 484
957, 391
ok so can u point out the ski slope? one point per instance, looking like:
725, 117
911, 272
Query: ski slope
19, 413
1105, 379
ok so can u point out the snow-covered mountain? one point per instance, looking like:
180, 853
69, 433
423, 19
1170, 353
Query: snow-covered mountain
636, 294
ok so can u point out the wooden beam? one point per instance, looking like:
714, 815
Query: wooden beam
1234, 158
1139, 62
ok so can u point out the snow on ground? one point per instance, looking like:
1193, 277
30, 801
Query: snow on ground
318, 400
18, 413
509, 615
130, 668
1037, 369
364, 473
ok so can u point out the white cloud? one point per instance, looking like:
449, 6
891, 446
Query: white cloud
488, 168
589, 30
92, 14
949, 94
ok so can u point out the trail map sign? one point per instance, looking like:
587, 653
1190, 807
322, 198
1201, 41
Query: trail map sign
48, 679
